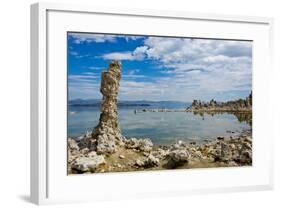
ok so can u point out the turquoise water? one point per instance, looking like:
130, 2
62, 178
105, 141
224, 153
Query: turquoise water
160, 127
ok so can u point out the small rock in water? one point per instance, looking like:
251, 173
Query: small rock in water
220, 138
180, 142
207, 140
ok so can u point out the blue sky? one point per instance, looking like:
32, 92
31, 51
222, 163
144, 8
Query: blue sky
160, 68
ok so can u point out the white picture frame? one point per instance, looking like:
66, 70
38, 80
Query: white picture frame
49, 22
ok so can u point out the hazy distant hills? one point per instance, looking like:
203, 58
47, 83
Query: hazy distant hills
137, 103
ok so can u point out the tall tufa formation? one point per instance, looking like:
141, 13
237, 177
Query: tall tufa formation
107, 134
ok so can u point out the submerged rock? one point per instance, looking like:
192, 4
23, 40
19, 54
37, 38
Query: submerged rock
220, 138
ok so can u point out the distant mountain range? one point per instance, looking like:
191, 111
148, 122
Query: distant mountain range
137, 103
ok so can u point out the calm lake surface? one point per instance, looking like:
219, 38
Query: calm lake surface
160, 127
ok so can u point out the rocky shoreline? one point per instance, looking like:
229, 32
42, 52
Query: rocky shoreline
159, 110
240, 105
140, 154
198, 106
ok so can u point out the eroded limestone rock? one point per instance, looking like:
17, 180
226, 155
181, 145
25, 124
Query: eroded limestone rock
72, 149
179, 156
90, 163
107, 135
148, 162
144, 145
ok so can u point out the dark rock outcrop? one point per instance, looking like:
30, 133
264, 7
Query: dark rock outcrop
212, 105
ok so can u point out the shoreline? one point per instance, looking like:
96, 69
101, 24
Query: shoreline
141, 154
212, 110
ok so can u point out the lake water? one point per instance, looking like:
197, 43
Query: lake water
160, 127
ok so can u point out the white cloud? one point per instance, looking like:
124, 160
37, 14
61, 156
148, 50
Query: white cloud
194, 69
201, 67
140, 52
118, 56
79, 77
84, 86
133, 71
131, 37
73, 53
77, 55
182, 50
100, 38
94, 68
88, 37
132, 75
137, 54
94, 74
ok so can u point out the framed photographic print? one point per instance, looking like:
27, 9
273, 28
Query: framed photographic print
133, 103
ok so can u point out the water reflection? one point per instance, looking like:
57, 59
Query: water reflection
241, 116
163, 127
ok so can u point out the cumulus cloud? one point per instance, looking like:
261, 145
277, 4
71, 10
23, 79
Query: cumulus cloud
201, 66
137, 54
191, 68
118, 56
184, 50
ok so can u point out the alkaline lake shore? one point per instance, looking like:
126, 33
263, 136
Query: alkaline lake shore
196, 135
